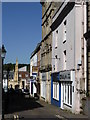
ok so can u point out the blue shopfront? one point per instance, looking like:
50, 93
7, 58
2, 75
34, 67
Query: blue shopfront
55, 89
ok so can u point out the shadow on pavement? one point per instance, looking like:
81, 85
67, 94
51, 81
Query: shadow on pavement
18, 102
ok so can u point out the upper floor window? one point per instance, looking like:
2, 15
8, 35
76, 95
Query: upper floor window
64, 60
64, 31
56, 39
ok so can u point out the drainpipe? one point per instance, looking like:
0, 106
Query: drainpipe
83, 58
82, 81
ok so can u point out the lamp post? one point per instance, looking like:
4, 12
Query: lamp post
3, 54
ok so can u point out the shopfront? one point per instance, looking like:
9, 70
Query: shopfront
67, 89
43, 86
33, 89
55, 89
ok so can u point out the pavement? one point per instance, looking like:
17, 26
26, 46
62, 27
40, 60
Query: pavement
29, 108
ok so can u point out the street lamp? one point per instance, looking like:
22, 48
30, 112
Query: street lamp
3, 54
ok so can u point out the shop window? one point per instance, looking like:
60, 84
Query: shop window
56, 90
70, 94
67, 93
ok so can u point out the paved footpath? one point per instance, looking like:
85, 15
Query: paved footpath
44, 111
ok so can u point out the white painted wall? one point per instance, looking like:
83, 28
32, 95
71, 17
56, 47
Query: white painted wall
68, 46
23, 68
33, 62
73, 47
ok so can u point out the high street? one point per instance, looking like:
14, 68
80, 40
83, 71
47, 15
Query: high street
25, 107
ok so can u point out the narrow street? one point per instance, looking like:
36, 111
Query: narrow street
25, 107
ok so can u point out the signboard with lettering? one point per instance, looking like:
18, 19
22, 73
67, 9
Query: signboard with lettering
55, 77
65, 76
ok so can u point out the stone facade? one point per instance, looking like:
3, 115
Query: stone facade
48, 9
14, 82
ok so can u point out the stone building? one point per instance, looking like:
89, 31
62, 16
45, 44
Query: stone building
14, 82
19, 78
48, 9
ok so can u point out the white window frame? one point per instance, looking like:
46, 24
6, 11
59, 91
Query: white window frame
56, 90
66, 102
64, 60
64, 30
56, 39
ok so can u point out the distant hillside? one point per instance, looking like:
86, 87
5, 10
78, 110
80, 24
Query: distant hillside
12, 66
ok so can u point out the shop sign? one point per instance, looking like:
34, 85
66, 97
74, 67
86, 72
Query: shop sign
65, 76
55, 76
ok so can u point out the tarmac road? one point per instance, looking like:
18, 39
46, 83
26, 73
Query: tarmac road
21, 108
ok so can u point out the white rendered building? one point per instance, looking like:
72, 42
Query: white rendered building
68, 84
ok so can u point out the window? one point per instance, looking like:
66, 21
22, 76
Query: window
64, 31
56, 90
70, 94
20, 75
26, 75
54, 67
67, 93
56, 39
64, 60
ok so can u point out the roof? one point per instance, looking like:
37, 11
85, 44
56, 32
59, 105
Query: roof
36, 50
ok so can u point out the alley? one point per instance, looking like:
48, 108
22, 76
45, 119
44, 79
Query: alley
30, 108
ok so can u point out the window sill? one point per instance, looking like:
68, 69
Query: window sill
56, 99
68, 105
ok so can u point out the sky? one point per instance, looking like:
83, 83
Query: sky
21, 30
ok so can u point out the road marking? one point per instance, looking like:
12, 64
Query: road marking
16, 117
60, 117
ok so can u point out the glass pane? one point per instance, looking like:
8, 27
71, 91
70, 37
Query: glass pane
70, 94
